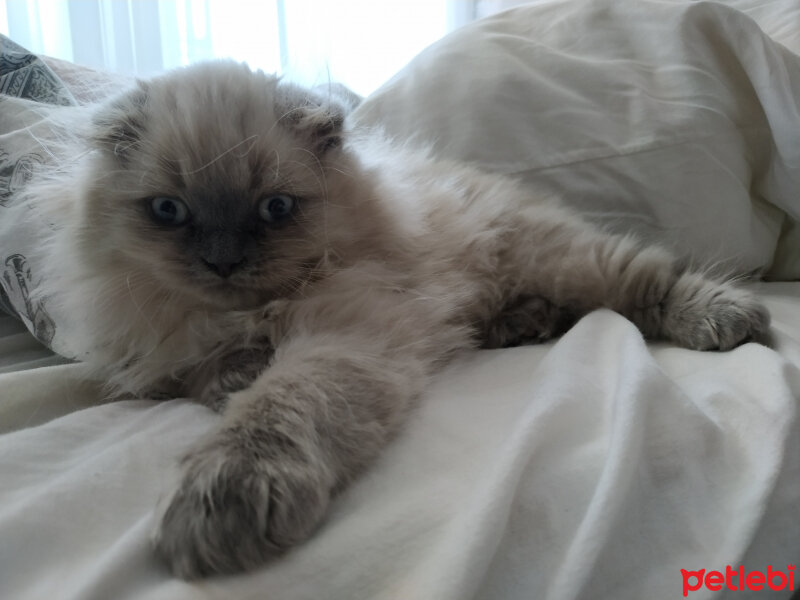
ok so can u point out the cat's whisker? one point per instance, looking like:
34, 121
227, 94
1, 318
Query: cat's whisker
340, 167
277, 165
323, 183
294, 109
45, 146
280, 118
340, 171
138, 307
251, 139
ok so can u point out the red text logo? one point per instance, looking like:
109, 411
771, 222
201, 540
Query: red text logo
738, 579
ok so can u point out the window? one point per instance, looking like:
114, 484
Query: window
360, 43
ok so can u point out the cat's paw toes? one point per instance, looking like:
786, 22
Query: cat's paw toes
232, 512
705, 315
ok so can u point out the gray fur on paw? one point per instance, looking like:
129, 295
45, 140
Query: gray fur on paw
705, 315
237, 505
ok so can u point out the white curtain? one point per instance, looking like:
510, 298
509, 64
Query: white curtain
358, 42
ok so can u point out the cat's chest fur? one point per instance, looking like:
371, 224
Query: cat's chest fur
154, 341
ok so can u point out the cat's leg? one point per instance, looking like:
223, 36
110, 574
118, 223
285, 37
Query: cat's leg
336, 390
554, 255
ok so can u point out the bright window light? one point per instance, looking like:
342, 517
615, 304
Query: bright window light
360, 43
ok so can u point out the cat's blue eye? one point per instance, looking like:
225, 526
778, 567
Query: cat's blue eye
169, 211
275, 208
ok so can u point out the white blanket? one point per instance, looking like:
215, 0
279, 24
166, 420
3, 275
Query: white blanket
593, 467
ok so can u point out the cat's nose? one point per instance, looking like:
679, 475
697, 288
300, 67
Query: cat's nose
221, 250
223, 269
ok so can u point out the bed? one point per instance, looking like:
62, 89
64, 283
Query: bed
599, 465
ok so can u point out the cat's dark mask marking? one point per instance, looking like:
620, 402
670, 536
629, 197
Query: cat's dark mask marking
272, 139
221, 250
223, 234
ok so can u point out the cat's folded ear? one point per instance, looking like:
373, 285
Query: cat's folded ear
118, 125
317, 119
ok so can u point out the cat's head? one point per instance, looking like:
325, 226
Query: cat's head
220, 183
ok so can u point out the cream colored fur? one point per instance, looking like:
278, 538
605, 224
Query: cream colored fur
316, 347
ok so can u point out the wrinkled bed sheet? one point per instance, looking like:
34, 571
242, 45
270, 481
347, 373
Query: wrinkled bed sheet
593, 467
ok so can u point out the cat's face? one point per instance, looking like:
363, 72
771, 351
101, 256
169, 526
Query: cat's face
218, 183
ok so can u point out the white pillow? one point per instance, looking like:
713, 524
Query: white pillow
676, 120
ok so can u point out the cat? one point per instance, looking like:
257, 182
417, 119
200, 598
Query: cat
223, 235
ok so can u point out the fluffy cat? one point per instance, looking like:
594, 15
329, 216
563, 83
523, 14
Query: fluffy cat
223, 236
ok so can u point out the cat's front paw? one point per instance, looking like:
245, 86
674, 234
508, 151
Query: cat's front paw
238, 505
705, 315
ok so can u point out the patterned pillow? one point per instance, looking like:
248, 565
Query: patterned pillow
25, 81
